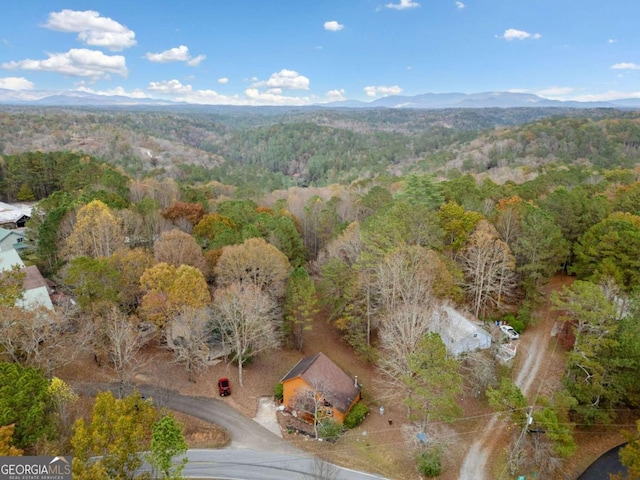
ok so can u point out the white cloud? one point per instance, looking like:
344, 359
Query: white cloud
335, 95
15, 83
568, 94
333, 26
117, 91
288, 79
169, 87
185, 93
77, 62
606, 96
255, 97
460, 5
403, 5
557, 93
382, 90
223, 80
275, 85
92, 29
626, 66
195, 61
513, 34
177, 91
611, 40
176, 54
211, 97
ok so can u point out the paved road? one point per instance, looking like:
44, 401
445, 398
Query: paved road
255, 453
243, 464
608, 463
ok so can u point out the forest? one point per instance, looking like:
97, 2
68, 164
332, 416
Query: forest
234, 229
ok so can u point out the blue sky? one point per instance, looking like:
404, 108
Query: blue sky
297, 52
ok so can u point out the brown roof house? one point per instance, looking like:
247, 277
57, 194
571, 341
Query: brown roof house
316, 388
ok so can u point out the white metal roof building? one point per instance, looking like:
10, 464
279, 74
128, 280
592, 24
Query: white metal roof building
458, 333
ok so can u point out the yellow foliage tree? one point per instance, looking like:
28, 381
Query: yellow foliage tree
6, 449
168, 288
109, 445
96, 233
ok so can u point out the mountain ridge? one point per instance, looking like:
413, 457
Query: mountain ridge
421, 101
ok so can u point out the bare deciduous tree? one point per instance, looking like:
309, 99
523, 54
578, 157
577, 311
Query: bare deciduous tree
244, 318
188, 337
35, 337
122, 342
179, 248
310, 402
404, 277
255, 262
322, 470
489, 268
400, 334
404, 285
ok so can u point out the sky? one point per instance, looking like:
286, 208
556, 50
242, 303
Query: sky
300, 52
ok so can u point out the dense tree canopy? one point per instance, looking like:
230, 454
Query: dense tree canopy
25, 403
611, 248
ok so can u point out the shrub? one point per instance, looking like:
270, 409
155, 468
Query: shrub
516, 322
279, 391
329, 430
429, 463
356, 415
518, 325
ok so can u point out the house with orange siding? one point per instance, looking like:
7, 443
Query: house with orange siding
316, 380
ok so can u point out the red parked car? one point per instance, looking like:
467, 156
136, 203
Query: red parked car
224, 387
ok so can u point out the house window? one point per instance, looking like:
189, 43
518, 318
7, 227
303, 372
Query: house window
20, 239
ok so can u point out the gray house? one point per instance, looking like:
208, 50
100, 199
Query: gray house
11, 239
459, 334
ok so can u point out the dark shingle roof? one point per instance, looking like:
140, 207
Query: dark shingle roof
33, 278
320, 372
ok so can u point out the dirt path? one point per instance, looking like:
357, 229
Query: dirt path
533, 374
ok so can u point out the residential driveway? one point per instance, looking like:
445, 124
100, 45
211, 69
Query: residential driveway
244, 432
255, 452
267, 415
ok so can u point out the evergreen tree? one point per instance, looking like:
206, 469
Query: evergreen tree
301, 304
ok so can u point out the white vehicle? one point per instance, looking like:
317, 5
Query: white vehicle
509, 332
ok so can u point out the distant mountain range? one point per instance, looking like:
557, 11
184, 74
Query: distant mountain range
479, 100
423, 101
66, 98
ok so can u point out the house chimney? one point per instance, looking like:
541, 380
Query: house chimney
355, 381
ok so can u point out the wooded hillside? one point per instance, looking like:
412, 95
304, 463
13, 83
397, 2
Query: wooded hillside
279, 148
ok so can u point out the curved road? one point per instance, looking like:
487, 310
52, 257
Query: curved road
255, 452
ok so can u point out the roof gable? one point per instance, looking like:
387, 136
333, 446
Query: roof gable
319, 372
